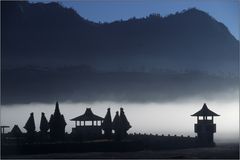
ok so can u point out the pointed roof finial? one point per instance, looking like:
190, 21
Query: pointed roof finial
205, 112
87, 116
57, 111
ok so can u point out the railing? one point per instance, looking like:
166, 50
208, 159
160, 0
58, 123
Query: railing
205, 121
88, 126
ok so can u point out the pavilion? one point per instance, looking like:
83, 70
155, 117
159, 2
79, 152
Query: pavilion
88, 125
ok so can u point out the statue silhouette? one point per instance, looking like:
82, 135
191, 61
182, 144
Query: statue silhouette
57, 125
107, 124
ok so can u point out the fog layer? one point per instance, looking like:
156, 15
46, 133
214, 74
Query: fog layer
156, 118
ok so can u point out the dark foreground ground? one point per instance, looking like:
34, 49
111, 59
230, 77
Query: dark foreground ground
221, 151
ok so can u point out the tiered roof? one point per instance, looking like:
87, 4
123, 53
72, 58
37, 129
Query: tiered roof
87, 116
205, 112
57, 119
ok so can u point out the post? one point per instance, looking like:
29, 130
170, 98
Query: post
3, 129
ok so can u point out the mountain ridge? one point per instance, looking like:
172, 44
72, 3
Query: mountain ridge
60, 36
50, 52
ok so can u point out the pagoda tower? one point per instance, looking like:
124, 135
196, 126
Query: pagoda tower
124, 122
57, 125
30, 124
205, 127
120, 125
44, 125
30, 127
107, 124
116, 126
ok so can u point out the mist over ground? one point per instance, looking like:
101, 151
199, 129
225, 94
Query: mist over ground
155, 118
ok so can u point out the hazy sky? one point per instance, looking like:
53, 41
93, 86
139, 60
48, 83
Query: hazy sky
225, 11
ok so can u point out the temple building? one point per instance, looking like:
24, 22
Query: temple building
16, 131
107, 124
120, 125
57, 125
88, 125
44, 125
116, 125
30, 127
205, 127
30, 124
124, 122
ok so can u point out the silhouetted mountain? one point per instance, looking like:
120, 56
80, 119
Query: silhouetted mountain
70, 51
51, 35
